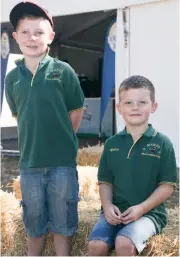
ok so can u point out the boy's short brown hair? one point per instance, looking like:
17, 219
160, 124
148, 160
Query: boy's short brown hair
137, 81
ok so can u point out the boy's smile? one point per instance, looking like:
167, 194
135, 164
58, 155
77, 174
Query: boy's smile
33, 36
136, 106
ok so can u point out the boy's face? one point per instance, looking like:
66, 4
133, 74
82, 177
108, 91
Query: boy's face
33, 36
136, 106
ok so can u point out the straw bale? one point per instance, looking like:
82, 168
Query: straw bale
14, 238
88, 215
87, 181
162, 245
90, 156
85, 158
173, 222
9, 210
166, 244
15, 185
89, 189
89, 207
92, 149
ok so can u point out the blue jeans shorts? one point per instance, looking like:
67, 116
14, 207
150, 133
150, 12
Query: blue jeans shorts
49, 200
138, 232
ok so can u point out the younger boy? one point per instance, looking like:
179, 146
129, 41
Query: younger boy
136, 175
44, 95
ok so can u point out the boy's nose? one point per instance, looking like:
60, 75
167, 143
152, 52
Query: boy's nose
33, 37
135, 106
135, 109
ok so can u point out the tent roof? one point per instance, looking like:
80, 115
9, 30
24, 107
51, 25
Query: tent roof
68, 7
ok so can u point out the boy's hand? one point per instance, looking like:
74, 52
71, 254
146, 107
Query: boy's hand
132, 214
112, 214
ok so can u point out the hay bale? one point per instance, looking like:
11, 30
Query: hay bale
92, 149
162, 245
14, 238
15, 185
89, 156
89, 189
89, 209
88, 215
87, 180
9, 210
173, 222
88, 159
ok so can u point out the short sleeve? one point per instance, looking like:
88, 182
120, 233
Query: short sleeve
10, 96
104, 174
74, 96
168, 168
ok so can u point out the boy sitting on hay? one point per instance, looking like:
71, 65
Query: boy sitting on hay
136, 175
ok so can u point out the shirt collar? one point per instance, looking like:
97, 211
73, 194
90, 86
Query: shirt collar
150, 132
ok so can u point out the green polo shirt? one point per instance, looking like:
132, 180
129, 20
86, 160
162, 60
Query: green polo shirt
135, 170
42, 104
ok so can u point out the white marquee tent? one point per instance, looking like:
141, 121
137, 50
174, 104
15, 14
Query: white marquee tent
146, 44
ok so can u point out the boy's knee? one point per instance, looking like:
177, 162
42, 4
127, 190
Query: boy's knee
124, 246
97, 248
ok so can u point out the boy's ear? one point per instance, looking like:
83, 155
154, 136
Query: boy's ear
118, 108
51, 37
14, 34
154, 107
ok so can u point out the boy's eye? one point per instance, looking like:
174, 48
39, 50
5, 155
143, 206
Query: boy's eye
39, 33
24, 32
128, 102
142, 102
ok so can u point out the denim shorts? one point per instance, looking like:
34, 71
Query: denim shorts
138, 231
49, 200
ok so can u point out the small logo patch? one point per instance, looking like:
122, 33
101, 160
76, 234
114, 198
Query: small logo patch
153, 150
114, 149
55, 74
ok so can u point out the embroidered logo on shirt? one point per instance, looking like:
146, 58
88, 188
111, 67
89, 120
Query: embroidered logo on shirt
153, 150
114, 149
55, 74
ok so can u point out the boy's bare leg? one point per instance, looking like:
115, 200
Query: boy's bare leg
63, 245
98, 248
35, 245
125, 247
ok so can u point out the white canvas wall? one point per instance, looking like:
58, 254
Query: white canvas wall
153, 52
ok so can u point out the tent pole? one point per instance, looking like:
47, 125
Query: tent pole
113, 116
100, 132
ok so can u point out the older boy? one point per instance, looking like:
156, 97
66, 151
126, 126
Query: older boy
136, 175
45, 96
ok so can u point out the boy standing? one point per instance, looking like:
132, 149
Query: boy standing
136, 175
44, 95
